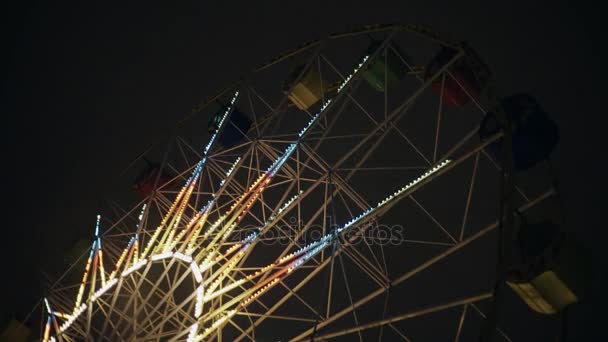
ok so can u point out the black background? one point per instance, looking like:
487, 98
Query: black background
87, 85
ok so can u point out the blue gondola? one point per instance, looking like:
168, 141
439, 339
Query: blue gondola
235, 128
534, 134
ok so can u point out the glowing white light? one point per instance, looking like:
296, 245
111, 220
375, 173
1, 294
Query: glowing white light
135, 267
161, 256
192, 333
48, 307
183, 257
198, 308
216, 324
73, 317
103, 289
224, 116
197, 272
345, 82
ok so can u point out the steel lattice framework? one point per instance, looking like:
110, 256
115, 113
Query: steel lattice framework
264, 239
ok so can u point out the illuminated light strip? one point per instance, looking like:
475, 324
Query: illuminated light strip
229, 251
344, 83
100, 262
52, 339
276, 165
254, 235
167, 238
164, 255
225, 271
183, 257
196, 271
84, 277
199, 215
177, 239
122, 257
261, 271
61, 315
395, 194
98, 251
204, 213
323, 242
141, 215
229, 287
223, 235
304, 249
249, 238
288, 203
192, 333
306, 256
237, 283
260, 291
48, 307
166, 217
136, 250
151, 241
228, 230
207, 262
135, 267
347, 80
140, 218
73, 317
214, 136
314, 118
230, 171
214, 226
47, 330
283, 208
198, 308
215, 324
97, 226
414, 182
103, 289
312, 121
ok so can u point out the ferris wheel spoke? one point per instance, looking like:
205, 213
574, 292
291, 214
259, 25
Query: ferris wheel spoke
469, 196
373, 271
365, 265
423, 266
498, 167
256, 124
498, 329
350, 296
302, 301
166, 296
405, 316
461, 322
398, 332
388, 124
435, 221
396, 114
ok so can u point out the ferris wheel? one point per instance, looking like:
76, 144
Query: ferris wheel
348, 189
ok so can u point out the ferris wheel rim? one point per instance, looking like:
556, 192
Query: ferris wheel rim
358, 33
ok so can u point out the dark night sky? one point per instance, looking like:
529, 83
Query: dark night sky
88, 85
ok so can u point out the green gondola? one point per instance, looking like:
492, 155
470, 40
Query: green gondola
388, 68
